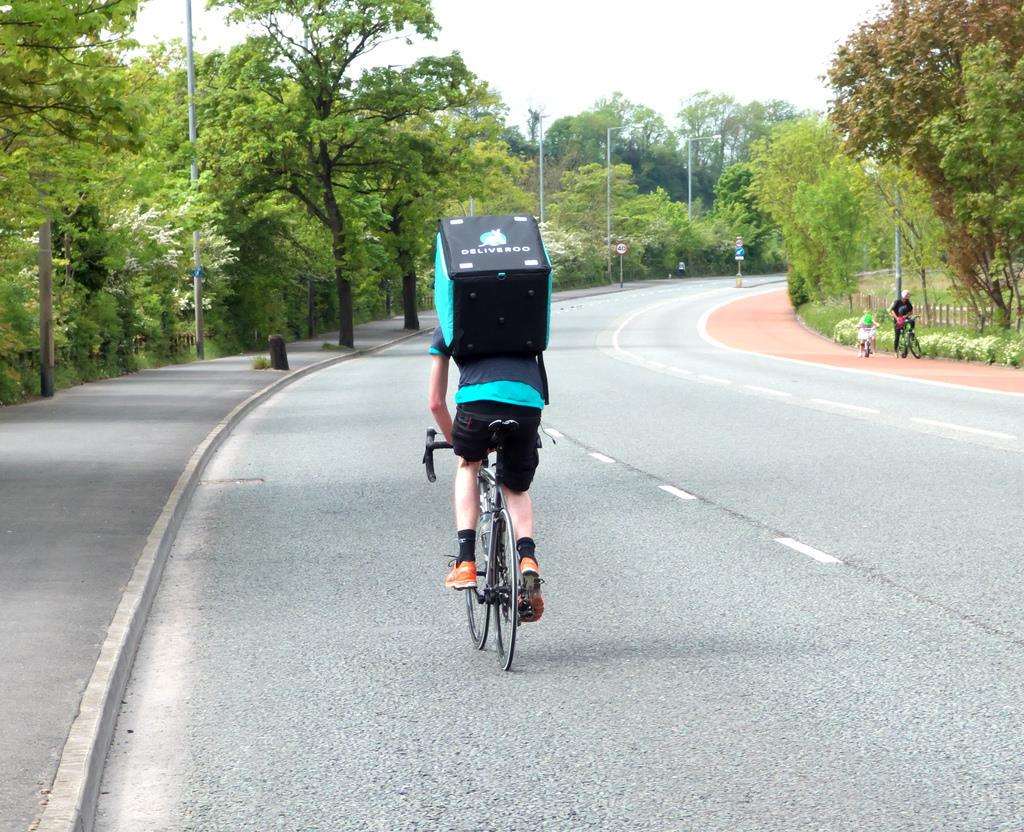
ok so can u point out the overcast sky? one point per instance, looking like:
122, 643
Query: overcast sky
562, 55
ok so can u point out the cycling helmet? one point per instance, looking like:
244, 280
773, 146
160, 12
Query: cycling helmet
906, 294
868, 319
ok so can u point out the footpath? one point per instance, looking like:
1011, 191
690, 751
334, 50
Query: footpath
767, 325
84, 478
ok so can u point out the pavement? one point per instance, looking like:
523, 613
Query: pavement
779, 596
766, 324
85, 475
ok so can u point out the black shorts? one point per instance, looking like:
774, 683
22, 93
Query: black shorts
518, 461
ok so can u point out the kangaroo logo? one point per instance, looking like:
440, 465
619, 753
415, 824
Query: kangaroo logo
493, 237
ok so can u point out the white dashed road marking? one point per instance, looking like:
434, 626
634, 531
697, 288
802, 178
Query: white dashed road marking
854, 407
602, 457
935, 423
768, 391
677, 492
714, 379
804, 549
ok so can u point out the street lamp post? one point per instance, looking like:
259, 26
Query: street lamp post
608, 238
898, 249
689, 169
197, 271
540, 127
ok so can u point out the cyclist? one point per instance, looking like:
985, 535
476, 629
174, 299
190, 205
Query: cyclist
866, 332
491, 387
900, 310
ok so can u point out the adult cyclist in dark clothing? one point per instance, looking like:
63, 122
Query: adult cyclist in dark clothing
900, 310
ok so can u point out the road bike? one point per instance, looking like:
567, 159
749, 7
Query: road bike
498, 606
908, 339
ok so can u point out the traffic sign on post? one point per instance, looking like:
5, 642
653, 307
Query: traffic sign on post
621, 249
741, 252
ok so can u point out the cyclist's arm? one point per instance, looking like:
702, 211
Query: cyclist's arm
437, 394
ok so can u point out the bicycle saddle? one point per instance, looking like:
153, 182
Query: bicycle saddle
504, 427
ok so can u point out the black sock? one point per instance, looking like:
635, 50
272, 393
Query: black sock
526, 548
467, 545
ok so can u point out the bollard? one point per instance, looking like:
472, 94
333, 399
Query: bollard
278, 353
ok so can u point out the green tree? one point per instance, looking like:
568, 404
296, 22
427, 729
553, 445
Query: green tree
60, 91
815, 195
301, 113
904, 201
934, 85
737, 213
737, 126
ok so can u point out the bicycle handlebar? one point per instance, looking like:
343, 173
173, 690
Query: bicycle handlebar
428, 453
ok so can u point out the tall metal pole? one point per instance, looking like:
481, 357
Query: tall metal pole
689, 177
608, 207
540, 121
197, 272
899, 250
689, 169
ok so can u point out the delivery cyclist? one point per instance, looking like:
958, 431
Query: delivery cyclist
491, 387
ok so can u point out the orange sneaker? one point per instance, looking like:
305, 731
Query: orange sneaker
531, 602
462, 575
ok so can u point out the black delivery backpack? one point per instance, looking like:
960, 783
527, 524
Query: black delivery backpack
492, 287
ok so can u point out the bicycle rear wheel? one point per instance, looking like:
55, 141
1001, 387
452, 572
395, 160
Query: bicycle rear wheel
914, 346
478, 614
507, 583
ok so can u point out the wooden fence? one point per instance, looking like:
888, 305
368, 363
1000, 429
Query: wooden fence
29, 359
934, 314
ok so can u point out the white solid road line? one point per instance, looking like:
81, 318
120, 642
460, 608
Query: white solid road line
935, 423
601, 457
552, 432
714, 379
768, 391
854, 407
677, 492
804, 549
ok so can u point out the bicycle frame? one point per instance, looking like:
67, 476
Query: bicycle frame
492, 510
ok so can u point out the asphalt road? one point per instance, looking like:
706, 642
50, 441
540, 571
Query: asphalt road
303, 669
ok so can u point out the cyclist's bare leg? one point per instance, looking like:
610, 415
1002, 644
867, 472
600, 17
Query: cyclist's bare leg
467, 497
520, 506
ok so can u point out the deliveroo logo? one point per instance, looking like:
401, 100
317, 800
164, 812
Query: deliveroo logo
493, 237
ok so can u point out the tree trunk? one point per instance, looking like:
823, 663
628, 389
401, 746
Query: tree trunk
346, 319
346, 316
412, 318
46, 309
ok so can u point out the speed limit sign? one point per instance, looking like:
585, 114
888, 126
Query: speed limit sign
621, 249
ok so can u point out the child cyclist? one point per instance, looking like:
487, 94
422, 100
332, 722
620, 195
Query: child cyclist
867, 331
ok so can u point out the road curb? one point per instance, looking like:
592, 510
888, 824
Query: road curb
71, 805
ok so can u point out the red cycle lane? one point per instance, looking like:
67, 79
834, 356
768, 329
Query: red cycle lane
766, 324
